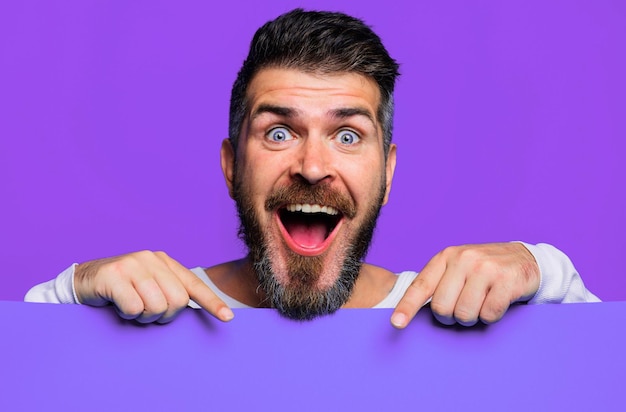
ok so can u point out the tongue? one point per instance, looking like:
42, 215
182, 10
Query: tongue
307, 235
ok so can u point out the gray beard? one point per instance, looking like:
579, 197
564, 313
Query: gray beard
300, 300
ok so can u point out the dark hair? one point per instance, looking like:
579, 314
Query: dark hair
317, 42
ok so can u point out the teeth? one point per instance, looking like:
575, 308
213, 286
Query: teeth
308, 208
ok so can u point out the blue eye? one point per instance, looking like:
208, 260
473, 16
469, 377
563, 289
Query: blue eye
347, 137
279, 134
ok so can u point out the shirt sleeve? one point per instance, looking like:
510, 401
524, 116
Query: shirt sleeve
57, 290
560, 281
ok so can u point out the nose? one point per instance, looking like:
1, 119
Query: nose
314, 161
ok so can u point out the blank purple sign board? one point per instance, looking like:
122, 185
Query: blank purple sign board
552, 357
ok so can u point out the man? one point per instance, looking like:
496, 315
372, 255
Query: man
309, 162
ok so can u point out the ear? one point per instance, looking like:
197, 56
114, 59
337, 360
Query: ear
390, 168
227, 158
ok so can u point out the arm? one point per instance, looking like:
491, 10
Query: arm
145, 286
479, 282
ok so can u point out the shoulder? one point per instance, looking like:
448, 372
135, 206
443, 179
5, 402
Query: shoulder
388, 277
216, 278
402, 282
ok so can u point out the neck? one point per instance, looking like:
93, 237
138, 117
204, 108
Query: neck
238, 280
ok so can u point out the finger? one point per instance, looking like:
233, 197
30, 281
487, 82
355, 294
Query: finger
418, 293
128, 303
447, 293
174, 292
201, 293
154, 301
471, 299
496, 304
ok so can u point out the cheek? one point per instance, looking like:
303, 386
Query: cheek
265, 171
258, 184
364, 181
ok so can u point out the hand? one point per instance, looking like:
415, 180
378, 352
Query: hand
145, 286
471, 282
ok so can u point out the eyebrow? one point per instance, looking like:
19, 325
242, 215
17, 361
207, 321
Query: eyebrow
347, 112
273, 109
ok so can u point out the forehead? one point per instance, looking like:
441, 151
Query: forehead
312, 91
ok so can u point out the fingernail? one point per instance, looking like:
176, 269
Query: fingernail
226, 314
398, 320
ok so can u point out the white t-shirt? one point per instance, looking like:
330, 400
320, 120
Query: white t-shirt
390, 301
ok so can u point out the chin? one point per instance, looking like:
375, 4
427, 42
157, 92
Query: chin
315, 273
310, 287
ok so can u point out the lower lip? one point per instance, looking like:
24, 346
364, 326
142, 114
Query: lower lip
307, 251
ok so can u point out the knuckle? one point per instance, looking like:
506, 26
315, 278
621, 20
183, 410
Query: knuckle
154, 311
493, 312
465, 316
121, 267
143, 255
131, 265
487, 267
489, 318
449, 251
178, 300
161, 255
441, 309
470, 254
131, 309
126, 265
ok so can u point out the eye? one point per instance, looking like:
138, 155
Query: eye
279, 134
347, 137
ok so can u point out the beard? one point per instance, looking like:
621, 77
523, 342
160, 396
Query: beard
301, 298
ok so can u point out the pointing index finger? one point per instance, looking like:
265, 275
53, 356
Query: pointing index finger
201, 293
418, 293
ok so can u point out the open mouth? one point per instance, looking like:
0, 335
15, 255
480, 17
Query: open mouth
309, 229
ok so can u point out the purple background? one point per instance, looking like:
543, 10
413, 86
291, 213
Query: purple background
510, 124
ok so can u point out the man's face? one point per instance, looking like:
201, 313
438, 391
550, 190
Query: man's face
309, 179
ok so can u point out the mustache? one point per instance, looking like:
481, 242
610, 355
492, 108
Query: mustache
301, 192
